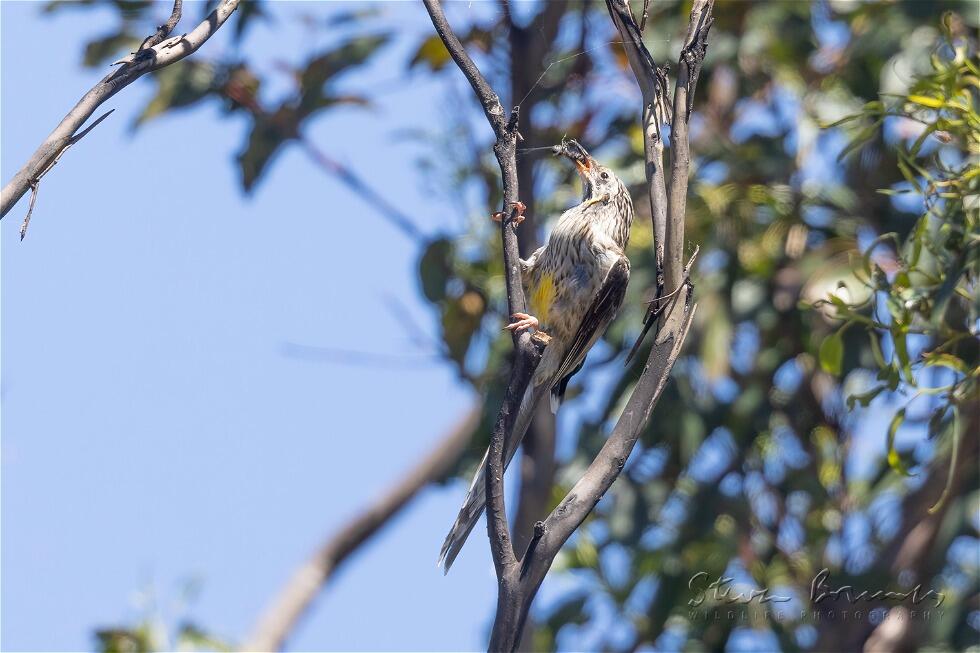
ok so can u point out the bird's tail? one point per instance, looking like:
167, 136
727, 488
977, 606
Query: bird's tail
476, 498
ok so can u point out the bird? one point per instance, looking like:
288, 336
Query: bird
575, 285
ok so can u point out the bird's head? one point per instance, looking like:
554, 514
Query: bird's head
597, 179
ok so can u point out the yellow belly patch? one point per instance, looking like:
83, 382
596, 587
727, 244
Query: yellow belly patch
542, 298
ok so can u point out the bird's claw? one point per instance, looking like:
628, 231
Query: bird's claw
524, 322
519, 207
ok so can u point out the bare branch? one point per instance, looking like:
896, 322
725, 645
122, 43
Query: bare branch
652, 80
667, 212
30, 209
513, 603
133, 67
36, 182
488, 98
528, 349
608, 464
164, 30
688, 69
281, 617
645, 16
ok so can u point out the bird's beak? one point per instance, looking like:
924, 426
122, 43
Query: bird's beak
579, 155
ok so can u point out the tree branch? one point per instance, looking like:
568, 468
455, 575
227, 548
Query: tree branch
164, 30
528, 349
550, 535
652, 80
132, 67
688, 69
281, 617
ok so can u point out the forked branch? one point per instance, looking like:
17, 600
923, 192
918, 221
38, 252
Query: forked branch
528, 349
519, 580
156, 52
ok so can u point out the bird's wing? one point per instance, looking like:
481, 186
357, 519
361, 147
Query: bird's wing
600, 313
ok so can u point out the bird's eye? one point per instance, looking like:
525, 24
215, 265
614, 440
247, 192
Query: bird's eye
605, 175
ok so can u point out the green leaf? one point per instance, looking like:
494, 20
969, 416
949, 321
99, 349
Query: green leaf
879, 356
894, 460
330, 64
931, 102
948, 360
902, 354
864, 398
832, 353
179, 86
269, 134
435, 268
193, 637
953, 462
860, 139
108, 47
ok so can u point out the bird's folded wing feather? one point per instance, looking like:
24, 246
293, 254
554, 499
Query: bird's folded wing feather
600, 313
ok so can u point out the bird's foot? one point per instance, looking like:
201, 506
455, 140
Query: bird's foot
520, 207
524, 322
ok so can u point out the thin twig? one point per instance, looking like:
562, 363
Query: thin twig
30, 209
164, 30
35, 183
80, 135
657, 307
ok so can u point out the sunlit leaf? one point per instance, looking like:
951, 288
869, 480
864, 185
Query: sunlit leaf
832, 353
431, 52
950, 361
934, 103
894, 460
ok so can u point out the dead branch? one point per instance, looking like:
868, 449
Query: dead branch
148, 58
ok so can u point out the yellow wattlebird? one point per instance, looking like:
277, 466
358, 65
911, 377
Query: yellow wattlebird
575, 285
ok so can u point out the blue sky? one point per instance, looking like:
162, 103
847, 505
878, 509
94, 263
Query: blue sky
155, 429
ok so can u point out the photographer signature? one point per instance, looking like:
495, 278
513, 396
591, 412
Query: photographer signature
722, 590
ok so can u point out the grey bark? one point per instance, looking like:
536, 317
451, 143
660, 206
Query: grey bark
528, 349
149, 58
519, 580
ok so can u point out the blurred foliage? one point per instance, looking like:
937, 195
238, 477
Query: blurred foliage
924, 286
151, 631
836, 328
145, 638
